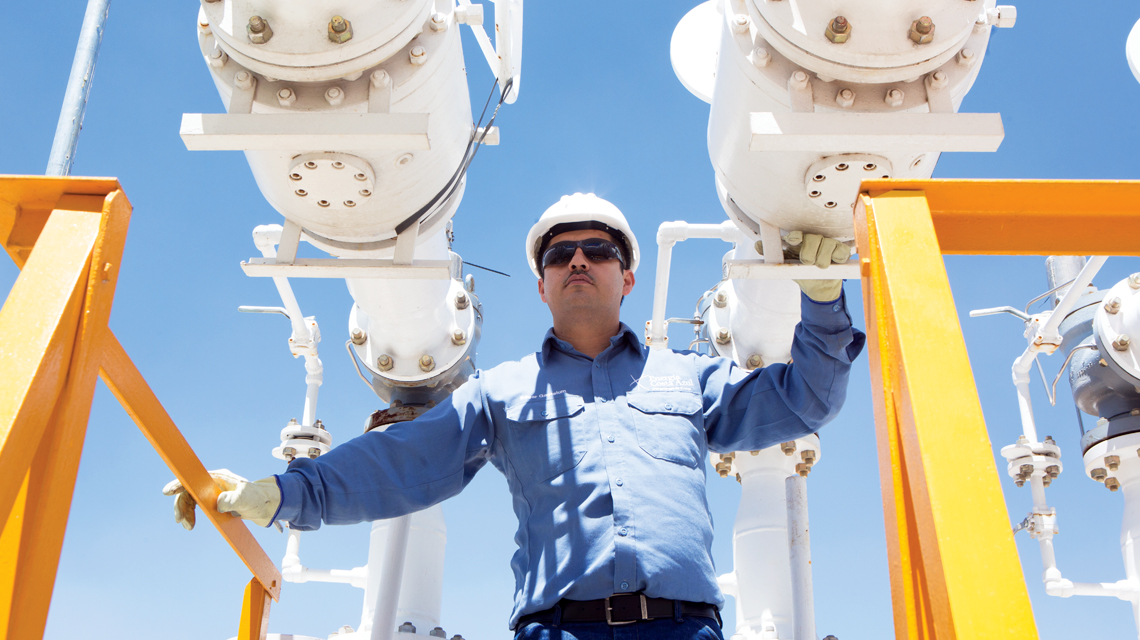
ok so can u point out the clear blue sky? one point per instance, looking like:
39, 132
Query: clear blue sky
600, 110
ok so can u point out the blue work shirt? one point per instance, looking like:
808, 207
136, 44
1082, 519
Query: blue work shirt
604, 456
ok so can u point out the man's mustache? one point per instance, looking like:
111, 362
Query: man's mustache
578, 272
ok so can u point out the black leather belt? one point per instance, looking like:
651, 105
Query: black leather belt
620, 608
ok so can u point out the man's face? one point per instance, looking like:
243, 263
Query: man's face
581, 284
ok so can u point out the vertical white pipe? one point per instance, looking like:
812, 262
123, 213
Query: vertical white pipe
660, 290
799, 551
78, 89
1021, 368
759, 545
392, 573
314, 376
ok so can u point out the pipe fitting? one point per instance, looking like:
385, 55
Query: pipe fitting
922, 30
340, 30
258, 30
838, 30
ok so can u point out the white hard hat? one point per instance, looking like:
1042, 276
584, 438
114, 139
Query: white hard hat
580, 211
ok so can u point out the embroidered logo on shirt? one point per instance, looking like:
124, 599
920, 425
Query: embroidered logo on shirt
549, 394
664, 383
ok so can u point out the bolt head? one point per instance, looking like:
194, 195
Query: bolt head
845, 98
427, 363
838, 30
340, 30
458, 337
1134, 281
894, 97
1112, 483
462, 301
286, 97
788, 447
922, 31
755, 361
1099, 474
384, 362
1122, 342
720, 299
418, 55
761, 57
258, 30
723, 336
334, 96
358, 337
438, 22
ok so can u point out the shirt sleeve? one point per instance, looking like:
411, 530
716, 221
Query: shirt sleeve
384, 474
749, 410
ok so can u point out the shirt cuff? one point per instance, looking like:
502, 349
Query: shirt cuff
831, 314
290, 507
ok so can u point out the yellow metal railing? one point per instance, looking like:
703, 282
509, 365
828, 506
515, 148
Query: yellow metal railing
67, 236
954, 568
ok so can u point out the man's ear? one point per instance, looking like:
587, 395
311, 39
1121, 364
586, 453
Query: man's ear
627, 276
542, 290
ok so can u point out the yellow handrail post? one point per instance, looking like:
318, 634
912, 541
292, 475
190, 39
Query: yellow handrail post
67, 235
254, 612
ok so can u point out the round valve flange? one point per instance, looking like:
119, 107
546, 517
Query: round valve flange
332, 180
1117, 326
833, 183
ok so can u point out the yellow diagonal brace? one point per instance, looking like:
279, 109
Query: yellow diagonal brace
974, 584
38, 325
56, 464
132, 391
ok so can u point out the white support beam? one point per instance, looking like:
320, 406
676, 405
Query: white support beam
875, 132
331, 268
760, 270
294, 131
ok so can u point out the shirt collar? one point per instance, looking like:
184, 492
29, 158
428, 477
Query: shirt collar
624, 334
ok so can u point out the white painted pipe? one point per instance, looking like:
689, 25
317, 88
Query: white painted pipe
266, 237
1048, 332
392, 571
314, 377
669, 234
799, 551
293, 571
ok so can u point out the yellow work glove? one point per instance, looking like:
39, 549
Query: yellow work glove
256, 501
821, 251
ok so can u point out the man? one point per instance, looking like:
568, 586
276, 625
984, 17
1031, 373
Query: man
603, 442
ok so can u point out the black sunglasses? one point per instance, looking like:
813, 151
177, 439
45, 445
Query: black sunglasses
595, 249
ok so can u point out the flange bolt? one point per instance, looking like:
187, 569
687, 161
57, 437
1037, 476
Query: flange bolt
1122, 342
458, 337
462, 301
358, 337
1112, 483
1113, 305
1134, 281
427, 363
721, 299
838, 30
340, 30
258, 30
922, 30
1112, 462
788, 447
1099, 474
384, 361
755, 361
723, 336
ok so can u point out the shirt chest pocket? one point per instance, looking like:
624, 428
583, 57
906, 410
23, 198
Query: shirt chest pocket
668, 426
545, 440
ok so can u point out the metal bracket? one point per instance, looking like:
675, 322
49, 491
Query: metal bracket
833, 133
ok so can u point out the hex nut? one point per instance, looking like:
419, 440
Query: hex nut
803, 469
1112, 462
1099, 474
286, 97
384, 362
808, 456
723, 336
720, 299
462, 301
789, 447
1112, 483
314, 452
966, 57
458, 337
1122, 342
334, 96
845, 98
755, 361
894, 98
1113, 305
438, 22
838, 30
289, 453
243, 80
417, 56
799, 80
939, 80
340, 30
217, 58
1134, 281
427, 363
740, 23
1053, 471
761, 57
358, 337
258, 30
922, 30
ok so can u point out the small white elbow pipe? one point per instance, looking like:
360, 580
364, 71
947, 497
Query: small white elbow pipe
669, 234
1021, 368
266, 237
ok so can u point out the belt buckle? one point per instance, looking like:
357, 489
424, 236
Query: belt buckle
609, 610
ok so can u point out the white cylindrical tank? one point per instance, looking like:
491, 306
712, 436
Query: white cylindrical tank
777, 57
348, 201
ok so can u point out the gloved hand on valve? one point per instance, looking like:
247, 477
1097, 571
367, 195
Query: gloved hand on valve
256, 501
812, 248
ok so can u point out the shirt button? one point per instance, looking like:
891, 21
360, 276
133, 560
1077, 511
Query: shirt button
619, 482
835, 308
602, 400
597, 365
624, 586
609, 438
544, 413
624, 532
668, 407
